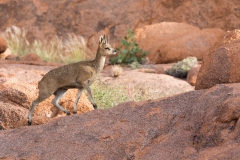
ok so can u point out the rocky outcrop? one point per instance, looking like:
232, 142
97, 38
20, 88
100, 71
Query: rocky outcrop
3, 45
150, 85
169, 42
44, 19
16, 98
201, 124
31, 57
192, 75
221, 63
5, 54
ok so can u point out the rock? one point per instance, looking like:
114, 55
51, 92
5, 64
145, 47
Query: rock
148, 85
45, 19
221, 62
16, 98
5, 54
31, 57
181, 68
199, 124
12, 57
11, 114
162, 68
3, 45
2, 75
192, 75
171, 42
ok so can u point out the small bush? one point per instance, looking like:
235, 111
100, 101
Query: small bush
181, 68
129, 51
69, 50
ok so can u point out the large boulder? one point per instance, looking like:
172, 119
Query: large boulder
3, 45
201, 124
44, 19
16, 98
192, 75
171, 42
31, 57
150, 85
5, 54
221, 63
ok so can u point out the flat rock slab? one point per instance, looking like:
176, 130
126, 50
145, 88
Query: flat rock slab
201, 124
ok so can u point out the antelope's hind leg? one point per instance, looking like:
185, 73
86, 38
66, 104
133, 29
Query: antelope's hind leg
41, 97
59, 93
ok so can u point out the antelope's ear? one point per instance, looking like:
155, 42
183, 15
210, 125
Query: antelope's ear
107, 39
101, 39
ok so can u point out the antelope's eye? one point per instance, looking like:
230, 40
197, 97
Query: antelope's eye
107, 48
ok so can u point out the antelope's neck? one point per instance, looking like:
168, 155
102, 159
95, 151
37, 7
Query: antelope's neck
99, 62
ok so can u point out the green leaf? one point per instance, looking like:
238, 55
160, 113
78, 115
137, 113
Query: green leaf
129, 50
124, 51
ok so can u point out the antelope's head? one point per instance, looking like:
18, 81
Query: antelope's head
104, 47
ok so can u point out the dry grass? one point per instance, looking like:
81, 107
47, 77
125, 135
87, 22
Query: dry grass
69, 50
107, 96
116, 70
16, 40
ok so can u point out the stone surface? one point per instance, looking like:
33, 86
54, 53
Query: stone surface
150, 85
5, 54
31, 57
44, 19
12, 57
169, 42
3, 45
192, 75
201, 124
221, 63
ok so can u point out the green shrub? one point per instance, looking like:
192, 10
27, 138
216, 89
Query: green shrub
129, 51
181, 68
69, 50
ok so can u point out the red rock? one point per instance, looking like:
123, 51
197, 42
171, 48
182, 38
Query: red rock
221, 62
45, 19
12, 57
3, 44
5, 54
171, 42
31, 57
150, 85
200, 124
192, 75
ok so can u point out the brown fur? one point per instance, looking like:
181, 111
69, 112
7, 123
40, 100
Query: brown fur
76, 75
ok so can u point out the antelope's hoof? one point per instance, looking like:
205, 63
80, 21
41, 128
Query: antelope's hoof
74, 112
94, 106
68, 113
29, 123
